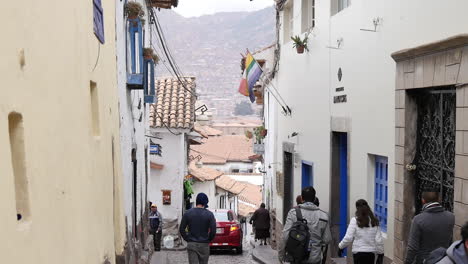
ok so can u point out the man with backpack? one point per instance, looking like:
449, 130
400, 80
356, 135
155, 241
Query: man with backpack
306, 232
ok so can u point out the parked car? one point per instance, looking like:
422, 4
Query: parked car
228, 231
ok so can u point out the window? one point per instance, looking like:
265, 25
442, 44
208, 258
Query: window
222, 216
98, 20
235, 170
16, 131
381, 190
288, 22
342, 4
221, 202
308, 15
94, 108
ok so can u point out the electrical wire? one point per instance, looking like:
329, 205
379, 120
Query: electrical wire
167, 127
169, 58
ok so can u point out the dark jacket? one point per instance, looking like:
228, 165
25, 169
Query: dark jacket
431, 229
198, 225
261, 219
156, 221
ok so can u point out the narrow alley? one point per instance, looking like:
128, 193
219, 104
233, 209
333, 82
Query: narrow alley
221, 257
260, 131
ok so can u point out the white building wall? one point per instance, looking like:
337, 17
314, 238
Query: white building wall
207, 187
132, 131
229, 166
171, 177
368, 78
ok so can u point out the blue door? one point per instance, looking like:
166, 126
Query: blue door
343, 160
307, 174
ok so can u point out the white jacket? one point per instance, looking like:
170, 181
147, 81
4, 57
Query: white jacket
368, 239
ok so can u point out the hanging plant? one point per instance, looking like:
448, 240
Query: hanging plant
249, 134
260, 133
134, 10
148, 53
300, 44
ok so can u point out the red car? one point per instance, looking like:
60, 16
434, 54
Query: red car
228, 231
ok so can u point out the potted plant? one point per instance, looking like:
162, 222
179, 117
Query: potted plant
134, 10
148, 53
155, 58
300, 44
260, 134
249, 134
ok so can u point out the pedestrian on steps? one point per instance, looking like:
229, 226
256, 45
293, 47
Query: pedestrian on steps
198, 228
365, 235
431, 229
318, 225
156, 221
261, 221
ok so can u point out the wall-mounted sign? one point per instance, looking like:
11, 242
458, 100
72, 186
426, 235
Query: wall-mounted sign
340, 99
166, 197
155, 149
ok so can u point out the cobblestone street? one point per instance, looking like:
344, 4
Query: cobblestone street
224, 257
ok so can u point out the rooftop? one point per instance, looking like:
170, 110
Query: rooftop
227, 183
175, 105
222, 149
204, 174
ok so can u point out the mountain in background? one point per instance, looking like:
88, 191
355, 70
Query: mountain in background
208, 47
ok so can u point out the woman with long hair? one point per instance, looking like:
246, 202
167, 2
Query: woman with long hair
364, 232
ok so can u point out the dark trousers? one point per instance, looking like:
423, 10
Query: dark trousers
198, 253
156, 239
364, 258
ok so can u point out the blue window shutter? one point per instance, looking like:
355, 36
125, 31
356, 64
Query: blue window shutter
98, 14
381, 191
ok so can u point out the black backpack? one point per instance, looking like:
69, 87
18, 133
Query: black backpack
297, 245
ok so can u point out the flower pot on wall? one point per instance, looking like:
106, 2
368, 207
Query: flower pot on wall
300, 49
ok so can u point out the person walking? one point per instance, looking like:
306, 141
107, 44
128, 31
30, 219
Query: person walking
317, 222
431, 229
457, 253
365, 235
261, 221
156, 221
198, 228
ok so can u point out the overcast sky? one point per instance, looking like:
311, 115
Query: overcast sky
191, 8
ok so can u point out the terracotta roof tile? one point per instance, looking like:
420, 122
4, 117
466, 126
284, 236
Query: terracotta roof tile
204, 173
207, 131
251, 194
175, 106
219, 150
227, 183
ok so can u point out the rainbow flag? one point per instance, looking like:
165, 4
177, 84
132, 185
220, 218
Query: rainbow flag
251, 74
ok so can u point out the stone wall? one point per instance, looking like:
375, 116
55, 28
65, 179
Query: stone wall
443, 63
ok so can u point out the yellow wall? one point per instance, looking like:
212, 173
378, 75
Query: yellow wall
70, 171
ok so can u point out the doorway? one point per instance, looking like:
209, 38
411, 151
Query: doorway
435, 145
307, 174
288, 202
339, 188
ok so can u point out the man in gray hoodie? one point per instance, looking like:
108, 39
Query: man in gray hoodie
318, 223
431, 229
457, 253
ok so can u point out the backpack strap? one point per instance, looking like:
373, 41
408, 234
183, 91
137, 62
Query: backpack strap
299, 214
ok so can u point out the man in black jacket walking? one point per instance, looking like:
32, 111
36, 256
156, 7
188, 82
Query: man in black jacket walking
198, 228
431, 229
